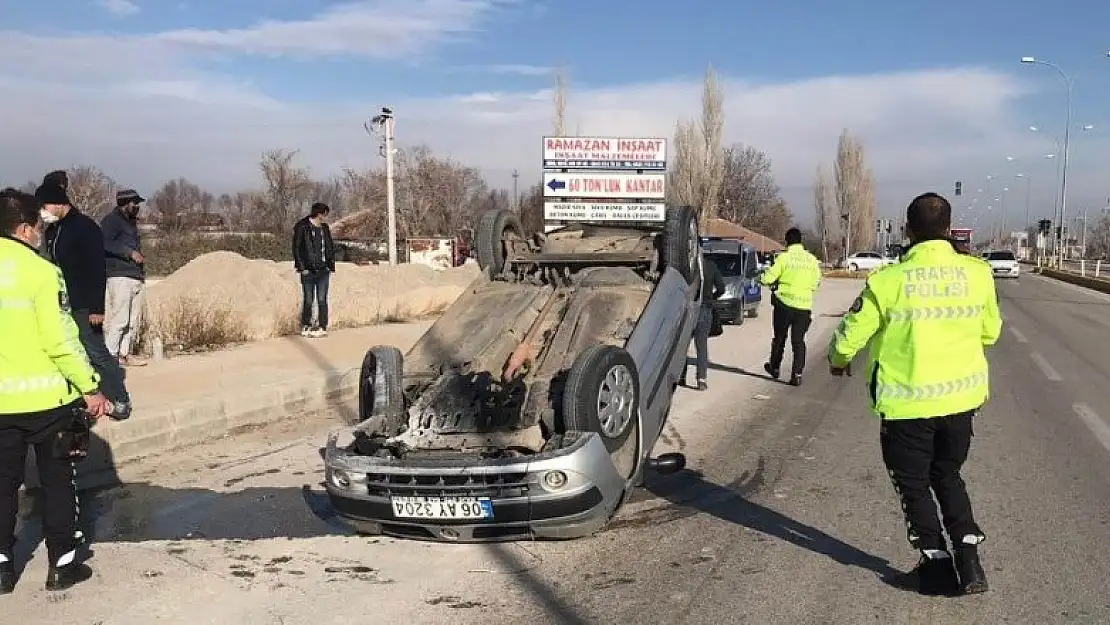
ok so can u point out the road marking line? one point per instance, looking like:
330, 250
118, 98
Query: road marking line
1046, 368
1018, 335
1097, 425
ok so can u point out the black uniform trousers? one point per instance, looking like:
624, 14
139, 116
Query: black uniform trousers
796, 321
57, 476
924, 455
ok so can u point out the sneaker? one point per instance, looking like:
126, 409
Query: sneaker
131, 361
121, 411
771, 371
306, 332
973, 579
933, 576
65, 577
319, 333
796, 379
702, 385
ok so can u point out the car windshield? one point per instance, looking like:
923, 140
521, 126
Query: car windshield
1001, 256
729, 264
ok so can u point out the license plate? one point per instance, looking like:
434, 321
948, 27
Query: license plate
442, 507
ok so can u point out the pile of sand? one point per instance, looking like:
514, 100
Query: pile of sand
263, 297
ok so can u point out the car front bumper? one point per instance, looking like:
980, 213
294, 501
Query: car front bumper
524, 503
1006, 272
728, 309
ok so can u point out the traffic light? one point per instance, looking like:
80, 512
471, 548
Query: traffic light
1044, 226
959, 188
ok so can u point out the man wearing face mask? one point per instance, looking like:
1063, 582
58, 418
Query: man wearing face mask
126, 276
74, 243
45, 377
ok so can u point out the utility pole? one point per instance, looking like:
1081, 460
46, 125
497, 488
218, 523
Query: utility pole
384, 124
516, 195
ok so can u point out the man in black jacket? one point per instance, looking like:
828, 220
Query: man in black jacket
126, 276
74, 243
712, 287
314, 260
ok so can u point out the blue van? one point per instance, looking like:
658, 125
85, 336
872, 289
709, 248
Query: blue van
739, 265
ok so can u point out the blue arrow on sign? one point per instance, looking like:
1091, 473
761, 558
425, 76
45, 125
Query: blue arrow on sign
555, 185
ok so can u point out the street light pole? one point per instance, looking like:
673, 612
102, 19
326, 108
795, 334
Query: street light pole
1067, 143
384, 124
516, 196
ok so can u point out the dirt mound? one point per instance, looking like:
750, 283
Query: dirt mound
229, 298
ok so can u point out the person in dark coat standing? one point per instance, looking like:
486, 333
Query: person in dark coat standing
74, 243
314, 260
712, 287
126, 277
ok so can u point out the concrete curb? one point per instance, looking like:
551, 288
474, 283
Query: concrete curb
148, 433
1095, 284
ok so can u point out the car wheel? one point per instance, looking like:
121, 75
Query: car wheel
380, 389
853, 267
753, 313
681, 245
602, 395
496, 231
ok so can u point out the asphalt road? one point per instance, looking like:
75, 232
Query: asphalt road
785, 515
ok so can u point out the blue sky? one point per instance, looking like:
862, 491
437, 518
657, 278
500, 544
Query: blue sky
151, 89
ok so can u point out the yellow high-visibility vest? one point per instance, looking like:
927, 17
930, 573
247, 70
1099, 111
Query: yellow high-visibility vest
798, 274
42, 363
928, 319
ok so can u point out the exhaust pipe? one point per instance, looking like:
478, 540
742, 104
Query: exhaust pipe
668, 463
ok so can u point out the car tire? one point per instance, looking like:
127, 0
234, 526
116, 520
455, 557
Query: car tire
495, 229
853, 267
380, 388
681, 245
602, 395
753, 313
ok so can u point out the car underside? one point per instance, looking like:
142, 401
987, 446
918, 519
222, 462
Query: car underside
547, 381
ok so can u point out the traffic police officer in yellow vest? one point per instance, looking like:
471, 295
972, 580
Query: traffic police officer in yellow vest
928, 320
45, 377
794, 276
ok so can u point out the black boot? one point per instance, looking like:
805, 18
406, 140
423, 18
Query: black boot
934, 577
67, 576
7, 578
796, 379
771, 371
973, 579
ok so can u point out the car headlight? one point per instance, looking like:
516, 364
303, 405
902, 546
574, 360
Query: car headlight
554, 480
733, 289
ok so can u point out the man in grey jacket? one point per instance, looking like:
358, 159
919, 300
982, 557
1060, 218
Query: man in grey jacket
126, 276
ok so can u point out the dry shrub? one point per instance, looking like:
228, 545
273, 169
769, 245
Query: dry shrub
189, 324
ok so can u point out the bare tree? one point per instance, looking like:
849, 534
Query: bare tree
29, 186
748, 190
826, 219
561, 103
712, 129
682, 187
1098, 240
531, 209
698, 160
177, 198
287, 191
91, 190
852, 195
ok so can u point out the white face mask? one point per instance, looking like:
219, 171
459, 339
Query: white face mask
47, 216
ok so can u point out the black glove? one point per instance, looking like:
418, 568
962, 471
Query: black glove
72, 442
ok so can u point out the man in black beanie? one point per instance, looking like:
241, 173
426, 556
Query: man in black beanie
73, 241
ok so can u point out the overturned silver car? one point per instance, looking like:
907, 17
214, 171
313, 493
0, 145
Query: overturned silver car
531, 407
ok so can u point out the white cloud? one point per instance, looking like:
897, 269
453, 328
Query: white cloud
120, 8
141, 110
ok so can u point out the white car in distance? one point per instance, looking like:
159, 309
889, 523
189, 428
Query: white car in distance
866, 261
1004, 264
